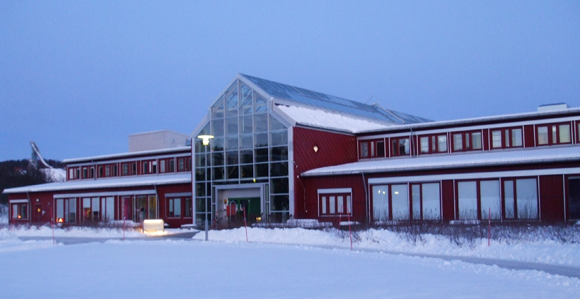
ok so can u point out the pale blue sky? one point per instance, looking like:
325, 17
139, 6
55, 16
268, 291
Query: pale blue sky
77, 77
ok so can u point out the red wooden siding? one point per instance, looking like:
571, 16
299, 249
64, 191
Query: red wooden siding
552, 198
355, 182
447, 200
529, 136
333, 149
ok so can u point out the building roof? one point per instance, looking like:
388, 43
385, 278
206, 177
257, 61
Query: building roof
459, 160
311, 98
328, 120
129, 154
122, 182
479, 120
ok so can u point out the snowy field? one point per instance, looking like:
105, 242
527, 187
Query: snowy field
228, 267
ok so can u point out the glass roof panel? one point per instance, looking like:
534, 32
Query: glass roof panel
338, 104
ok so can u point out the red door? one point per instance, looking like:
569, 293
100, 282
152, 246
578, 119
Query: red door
127, 203
37, 218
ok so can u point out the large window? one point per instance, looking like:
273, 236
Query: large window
392, 202
66, 210
506, 138
520, 198
250, 146
425, 201
466, 141
335, 204
478, 199
19, 211
433, 144
553, 134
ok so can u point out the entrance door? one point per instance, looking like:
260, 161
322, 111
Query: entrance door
37, 213
250, 204
574, 198
126, 210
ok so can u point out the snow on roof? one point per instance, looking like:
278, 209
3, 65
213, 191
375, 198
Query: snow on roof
332, 103
135, 181
121, 155
475, 120
460, 160
327, 120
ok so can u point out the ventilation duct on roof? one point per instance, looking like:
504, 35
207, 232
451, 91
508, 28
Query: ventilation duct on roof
553, 107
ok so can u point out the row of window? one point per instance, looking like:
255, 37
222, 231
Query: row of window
501, 138
392, 202
337, 204
152, 166
476, 200
105, 209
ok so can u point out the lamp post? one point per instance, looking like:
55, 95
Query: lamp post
205, 139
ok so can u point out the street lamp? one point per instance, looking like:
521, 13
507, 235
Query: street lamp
205, 139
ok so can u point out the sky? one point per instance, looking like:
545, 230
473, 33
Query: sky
77, 77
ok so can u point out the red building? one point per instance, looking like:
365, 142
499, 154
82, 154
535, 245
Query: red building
283, 152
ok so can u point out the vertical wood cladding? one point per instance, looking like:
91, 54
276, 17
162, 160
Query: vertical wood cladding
552, 198
529, 136
448, 200
333, 149
313, 184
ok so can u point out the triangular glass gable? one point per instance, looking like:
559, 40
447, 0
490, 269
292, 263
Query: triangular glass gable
232, 98
246, 107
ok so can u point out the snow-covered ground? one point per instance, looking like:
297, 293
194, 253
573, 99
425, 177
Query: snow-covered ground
548, 252
196, 269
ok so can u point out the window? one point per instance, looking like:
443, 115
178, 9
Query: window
335, 204
433, 144
174, 208
66, 210
85, 172
162, 166
145, 168
107, 171
553, 134
108, 209
20, 211
506, 138
400, 147
466, 141
477, 199
372, 149
521, 199
425, 200
125, 169
101, 172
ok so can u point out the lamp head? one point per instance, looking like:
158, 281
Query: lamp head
205, 138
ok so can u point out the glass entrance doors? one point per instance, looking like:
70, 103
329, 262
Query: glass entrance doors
145, 208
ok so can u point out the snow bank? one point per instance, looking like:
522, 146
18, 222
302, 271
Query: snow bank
548, 252
87, 232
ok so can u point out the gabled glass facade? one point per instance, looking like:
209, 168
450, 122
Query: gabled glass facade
250, 146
